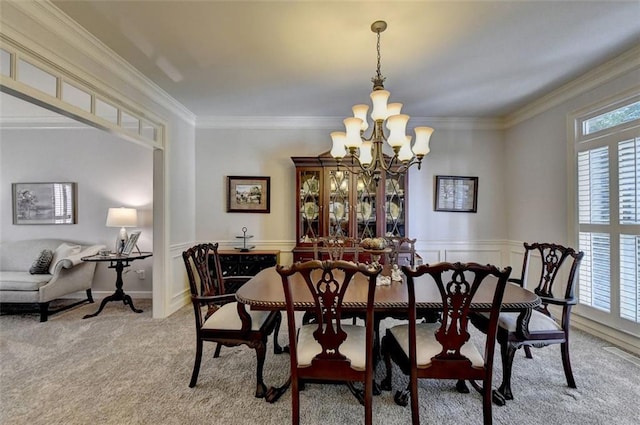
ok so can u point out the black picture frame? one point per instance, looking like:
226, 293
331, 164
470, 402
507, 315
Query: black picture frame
456, 194
44, 203
248, 194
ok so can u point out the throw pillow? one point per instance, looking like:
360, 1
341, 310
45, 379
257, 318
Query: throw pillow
41, 264
61, 252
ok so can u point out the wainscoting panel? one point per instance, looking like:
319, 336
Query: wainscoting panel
516, 257
483, 252
477, 256
178, 293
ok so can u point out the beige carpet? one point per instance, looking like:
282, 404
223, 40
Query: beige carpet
127, 368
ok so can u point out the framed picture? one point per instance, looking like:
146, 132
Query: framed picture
248, 194
456, 194
131, 243
44, 203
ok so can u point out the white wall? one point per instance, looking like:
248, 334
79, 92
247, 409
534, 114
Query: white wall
109, 172
536, 171
460, 152
221, 152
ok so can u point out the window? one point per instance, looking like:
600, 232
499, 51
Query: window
613, 118
607, 211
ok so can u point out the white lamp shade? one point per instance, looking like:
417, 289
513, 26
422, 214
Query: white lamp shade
122, 217
360, 111
423, 135
405, 153
365, 153
393, 109
397, 125
338, 138
379, 99
353, 125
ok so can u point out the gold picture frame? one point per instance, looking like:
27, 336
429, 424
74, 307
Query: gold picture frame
248, 194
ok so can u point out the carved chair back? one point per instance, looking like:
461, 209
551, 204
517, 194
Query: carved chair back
457, 284
400, 245
552, 260
201, 280
335, 247
327, 282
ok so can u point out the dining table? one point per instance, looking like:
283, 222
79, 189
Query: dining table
264, 291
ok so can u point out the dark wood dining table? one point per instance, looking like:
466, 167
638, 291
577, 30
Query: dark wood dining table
264, 291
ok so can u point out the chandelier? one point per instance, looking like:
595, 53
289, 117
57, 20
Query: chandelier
367, 151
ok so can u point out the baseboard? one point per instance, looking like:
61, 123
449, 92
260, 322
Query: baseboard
623, 340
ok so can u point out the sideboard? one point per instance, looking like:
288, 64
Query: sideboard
238, 263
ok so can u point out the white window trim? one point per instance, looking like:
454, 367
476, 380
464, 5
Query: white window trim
574, 139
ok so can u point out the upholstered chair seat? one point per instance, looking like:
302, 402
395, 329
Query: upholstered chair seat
227, 318
539, 322
353, 348
428, 346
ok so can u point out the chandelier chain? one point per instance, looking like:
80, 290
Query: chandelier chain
378, 80
378, 49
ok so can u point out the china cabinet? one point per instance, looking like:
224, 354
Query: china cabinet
334, 200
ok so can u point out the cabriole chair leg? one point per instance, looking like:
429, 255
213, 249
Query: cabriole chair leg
566, 364
196, 364
261, 354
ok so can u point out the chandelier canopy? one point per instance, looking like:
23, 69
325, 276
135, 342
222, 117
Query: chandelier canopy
367, 151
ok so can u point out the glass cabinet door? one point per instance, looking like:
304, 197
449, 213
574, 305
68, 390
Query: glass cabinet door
366, 191
309, 202
339, 185
395, 205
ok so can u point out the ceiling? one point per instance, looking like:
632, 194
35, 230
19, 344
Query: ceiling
316, 58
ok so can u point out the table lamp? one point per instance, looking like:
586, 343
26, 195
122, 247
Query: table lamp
122, 217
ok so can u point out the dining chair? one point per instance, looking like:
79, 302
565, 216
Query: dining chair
444, 350
336, 248
401, 245
219, 318
556, 271
329, 350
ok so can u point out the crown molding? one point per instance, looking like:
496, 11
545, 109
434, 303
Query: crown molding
267, 123
626, 62
334, 123
51, 18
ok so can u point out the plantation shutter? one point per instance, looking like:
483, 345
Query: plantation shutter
629, 194
593, 208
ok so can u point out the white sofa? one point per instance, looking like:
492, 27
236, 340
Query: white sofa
67, 274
